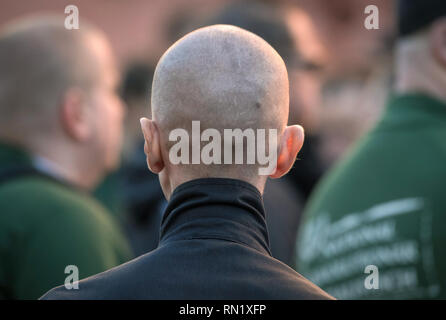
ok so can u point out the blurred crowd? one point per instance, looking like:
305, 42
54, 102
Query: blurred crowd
91, 160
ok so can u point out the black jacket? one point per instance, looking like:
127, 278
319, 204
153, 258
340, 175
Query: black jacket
145, 203
213, 245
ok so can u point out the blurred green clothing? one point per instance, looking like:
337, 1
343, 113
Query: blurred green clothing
383, 205
109, 194
46, 225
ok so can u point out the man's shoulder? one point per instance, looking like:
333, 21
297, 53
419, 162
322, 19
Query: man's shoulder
126, 281
37, 198
383, 164
35, 187
279, 281
156, 275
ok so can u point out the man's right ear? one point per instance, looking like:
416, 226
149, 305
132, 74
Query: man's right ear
152, 145
289, 146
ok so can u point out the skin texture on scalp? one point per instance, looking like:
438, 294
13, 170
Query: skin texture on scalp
226, 78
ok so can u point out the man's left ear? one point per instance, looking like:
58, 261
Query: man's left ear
438, 41
152, 145
289, 146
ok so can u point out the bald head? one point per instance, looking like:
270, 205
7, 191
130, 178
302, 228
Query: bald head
224, 76
58, 97
39, 61
226, 79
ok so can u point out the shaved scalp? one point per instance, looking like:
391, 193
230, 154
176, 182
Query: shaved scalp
39, 61
223, 76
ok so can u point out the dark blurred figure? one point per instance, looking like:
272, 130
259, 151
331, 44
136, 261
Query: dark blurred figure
133, 193
135, 91
143, 198
60, 130
384, 205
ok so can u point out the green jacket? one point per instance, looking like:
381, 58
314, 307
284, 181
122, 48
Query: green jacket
383, 205
45, 226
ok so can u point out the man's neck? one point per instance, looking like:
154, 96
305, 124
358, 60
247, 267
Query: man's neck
181, 178
57, 160
420, 75
51, 168
433, 90
64, 165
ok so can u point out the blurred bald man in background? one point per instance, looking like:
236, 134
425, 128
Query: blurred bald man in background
213, 240
60, 132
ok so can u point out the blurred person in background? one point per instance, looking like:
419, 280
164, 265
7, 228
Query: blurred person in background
135, 91
132, 193
60, 132
351, 69
140, 189
375, 227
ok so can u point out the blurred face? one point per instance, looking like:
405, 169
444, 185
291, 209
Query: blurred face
106, 110
306, 77
305, 87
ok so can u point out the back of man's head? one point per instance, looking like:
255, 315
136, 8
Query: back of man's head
223, 76
57, 95
226, 78
39, 60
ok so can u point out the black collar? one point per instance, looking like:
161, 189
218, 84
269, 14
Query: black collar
216, 208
